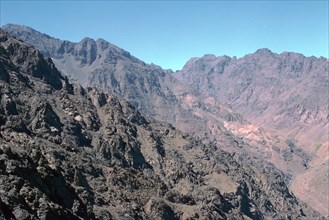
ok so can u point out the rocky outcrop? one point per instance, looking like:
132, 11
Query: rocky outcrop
68, 153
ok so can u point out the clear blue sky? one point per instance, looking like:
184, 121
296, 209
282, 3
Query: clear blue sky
168, 33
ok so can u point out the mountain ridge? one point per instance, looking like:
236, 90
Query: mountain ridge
286, 93
209, 73
258, 51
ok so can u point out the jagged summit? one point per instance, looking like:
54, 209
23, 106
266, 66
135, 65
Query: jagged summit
56, 48
264, 51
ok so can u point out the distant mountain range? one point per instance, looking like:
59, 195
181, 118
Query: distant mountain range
267, 105
284, 92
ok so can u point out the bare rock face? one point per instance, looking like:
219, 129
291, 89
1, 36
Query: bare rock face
70, 153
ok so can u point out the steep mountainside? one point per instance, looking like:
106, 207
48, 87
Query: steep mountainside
70, 153
155, 92
99, 63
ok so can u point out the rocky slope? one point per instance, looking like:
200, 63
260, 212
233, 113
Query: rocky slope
68, 153
197, 110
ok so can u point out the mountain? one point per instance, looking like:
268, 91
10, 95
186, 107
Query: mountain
152, 90
286, 93
291, 88
68, 153
90, 63
184, 100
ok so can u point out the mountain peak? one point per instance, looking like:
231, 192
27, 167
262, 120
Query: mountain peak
209, 56
87, 39
17, 26
264, 51
16, 29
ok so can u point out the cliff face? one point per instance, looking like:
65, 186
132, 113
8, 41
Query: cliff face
70, 153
